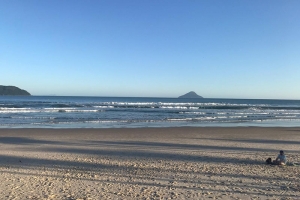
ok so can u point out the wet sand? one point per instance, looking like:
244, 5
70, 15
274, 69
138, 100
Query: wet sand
148, 163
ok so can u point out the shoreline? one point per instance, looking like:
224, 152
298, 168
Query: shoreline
149, 127
154, 163
260, 124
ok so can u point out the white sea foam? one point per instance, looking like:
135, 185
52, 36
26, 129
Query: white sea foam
286, 116
174, 107
178, 107
63, 108
195, 113
175, 104
107, 121
27, 117
103, 106
186, 119
234, 117
19, 111
81, 110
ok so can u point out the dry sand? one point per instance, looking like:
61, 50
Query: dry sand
150, 163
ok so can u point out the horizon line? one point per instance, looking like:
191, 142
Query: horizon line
160, 97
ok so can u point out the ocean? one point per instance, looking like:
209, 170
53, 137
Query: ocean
133, 112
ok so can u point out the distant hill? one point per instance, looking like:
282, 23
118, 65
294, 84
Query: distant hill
12, 90
190, 95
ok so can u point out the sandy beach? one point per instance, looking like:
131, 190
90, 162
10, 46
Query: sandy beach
148, 163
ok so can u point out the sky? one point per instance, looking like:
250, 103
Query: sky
152, 48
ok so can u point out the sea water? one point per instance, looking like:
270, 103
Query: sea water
125, 112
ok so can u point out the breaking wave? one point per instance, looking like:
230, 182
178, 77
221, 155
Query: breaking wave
145, 112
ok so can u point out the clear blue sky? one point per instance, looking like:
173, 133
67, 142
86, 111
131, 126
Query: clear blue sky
152, 48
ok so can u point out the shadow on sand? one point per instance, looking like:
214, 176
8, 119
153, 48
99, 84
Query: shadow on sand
134, 151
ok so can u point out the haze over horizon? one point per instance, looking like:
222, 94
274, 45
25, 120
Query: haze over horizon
219, 49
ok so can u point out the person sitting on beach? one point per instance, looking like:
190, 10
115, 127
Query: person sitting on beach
281, 159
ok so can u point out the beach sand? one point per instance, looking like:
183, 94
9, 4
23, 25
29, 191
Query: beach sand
148, 163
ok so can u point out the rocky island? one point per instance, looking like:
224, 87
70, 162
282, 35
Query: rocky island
190, 95
12, 90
